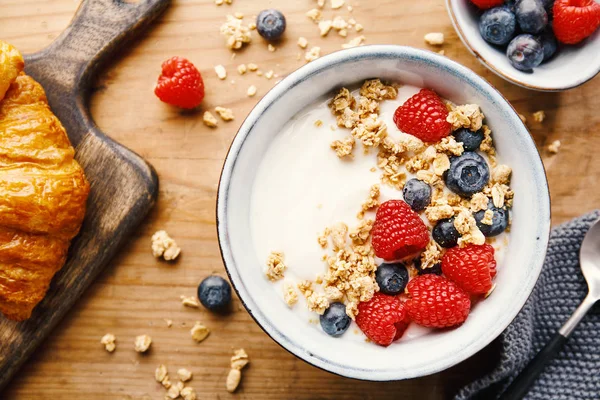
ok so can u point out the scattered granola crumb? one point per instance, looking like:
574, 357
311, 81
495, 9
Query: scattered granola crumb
501, 174
251, 91
239, 15
539, 116
108, 341
335, 4
239, 359
173, 392
233, 380
487, 217
466, 116
221, 72
554, 147
160, 373
338, 234
314, 15
218, 2
169, 323
235, 32
199, 332
357, 41
275, 266
318, 123
313, 54
442, 52
269, 74
209, 119
188, 393
252, 26
358, 28
142, 343
289, 294
350, 8
242, 69
339, 23
164, 246
191, 302
225, 113
321, 3
271, 48
184, 374
523, 118
323, 238
343, 32
434, 38
324, 27
343, 148
302, 42
252, 67
259, 73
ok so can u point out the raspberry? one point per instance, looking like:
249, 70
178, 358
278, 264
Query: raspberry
471, 267
424, 116
575, 20
382, 319
398, 231
436, 302
180, 83
485, 4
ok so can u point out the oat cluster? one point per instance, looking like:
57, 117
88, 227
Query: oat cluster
164, 246
175, 390
235, 32
238, 361
275, 266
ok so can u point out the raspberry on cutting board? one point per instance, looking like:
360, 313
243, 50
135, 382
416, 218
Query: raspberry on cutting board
436, 302
382, 319
575, 20
424, 116
180, 83
471, 267
398, 231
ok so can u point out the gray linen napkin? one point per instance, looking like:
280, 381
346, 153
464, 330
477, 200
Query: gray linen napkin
575, 373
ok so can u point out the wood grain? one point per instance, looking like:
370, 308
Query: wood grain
136, 292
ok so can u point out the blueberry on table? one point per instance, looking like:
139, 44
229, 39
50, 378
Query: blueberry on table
270, 24
468, 174
525, 52
214, 293
334, 320
470, 140
549, 43
417, 194
498, 25
531, 15
499, 220
445, 233
391, 278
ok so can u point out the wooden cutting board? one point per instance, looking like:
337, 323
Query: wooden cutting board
123, 186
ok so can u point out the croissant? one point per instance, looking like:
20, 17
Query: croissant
43, 190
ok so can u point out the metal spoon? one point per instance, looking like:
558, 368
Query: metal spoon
589, 259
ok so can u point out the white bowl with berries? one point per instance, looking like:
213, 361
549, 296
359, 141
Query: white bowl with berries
383, 213
545, 45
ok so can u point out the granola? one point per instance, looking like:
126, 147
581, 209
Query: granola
315, 301
199, 332
209, 119
313, 54
466, 116
434, 38
275, 266
343, 148
539, 116
290, 296
108, 341
164, 246
225, 113
554, 147
142, 343
236, 34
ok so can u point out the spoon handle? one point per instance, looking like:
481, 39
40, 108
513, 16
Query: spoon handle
521, 384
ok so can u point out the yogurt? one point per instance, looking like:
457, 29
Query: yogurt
301, 187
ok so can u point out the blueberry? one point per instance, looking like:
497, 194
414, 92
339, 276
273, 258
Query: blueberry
549, 44
525, 52
214, 293
391, 278
498, 25
435, 270
445, 234
417, 194
531, 15
468, 174
270, 24
499, 221
470, 140
334, 320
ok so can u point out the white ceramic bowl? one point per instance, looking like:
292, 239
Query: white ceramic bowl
570, 67
410, 358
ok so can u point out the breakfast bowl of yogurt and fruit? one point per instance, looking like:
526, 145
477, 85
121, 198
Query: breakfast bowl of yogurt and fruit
383, 213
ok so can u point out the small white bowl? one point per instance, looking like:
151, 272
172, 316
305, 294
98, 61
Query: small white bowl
408, 358
570, 67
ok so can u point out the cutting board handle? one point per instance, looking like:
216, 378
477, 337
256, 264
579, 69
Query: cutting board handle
98, 29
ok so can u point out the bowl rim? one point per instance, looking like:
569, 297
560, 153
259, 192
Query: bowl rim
302, 73
501, 74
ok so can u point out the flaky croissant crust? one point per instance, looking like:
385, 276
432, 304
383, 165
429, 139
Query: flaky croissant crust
43, 190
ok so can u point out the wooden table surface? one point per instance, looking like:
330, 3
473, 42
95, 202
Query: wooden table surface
136, 292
